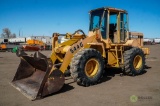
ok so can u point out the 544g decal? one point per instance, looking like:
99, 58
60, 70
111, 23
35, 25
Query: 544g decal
73, 49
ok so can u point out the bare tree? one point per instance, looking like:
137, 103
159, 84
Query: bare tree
7, 33
12, 35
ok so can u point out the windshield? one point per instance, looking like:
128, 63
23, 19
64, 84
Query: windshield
95, 20
98, 21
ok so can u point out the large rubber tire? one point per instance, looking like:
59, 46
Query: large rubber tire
87, 67
134, 61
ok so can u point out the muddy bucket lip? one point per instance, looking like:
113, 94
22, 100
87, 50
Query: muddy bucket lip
30, 86
42, 90
29, 97
33, 87
25, 81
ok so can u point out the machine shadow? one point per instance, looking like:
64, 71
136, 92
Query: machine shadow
111, 72
147, 67
65, 88
108, 75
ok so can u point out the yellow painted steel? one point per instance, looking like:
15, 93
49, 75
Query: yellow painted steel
115, 55
64, 52
137, 62
118, 27
111, 51
146, 50
91, 67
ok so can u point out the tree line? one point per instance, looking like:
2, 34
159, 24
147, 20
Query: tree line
6, 33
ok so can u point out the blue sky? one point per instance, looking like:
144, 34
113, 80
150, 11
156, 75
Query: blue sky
43, 17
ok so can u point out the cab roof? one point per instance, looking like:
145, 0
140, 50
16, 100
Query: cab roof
110, 8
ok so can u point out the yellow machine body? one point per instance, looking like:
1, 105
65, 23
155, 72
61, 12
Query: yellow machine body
108, 39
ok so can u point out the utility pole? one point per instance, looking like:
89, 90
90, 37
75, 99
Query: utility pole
19, 32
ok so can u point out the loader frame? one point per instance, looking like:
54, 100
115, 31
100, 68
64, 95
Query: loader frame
112, 50
108, 44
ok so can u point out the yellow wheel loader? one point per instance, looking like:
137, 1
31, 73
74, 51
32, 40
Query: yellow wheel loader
108, 44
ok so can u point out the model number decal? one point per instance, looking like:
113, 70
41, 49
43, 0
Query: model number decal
73, 49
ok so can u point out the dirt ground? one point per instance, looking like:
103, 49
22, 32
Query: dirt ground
142, 90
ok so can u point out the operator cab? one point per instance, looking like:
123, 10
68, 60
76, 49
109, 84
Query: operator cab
112, 22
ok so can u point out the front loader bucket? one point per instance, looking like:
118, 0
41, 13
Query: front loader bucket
36, 77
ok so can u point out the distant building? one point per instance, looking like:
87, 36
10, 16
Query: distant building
148, 41
45, 39
157, 40
3, 40
18, 40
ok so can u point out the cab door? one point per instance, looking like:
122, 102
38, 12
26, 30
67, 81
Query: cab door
123, 27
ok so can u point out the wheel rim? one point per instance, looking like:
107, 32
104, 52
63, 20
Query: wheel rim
91, 67
137, 63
